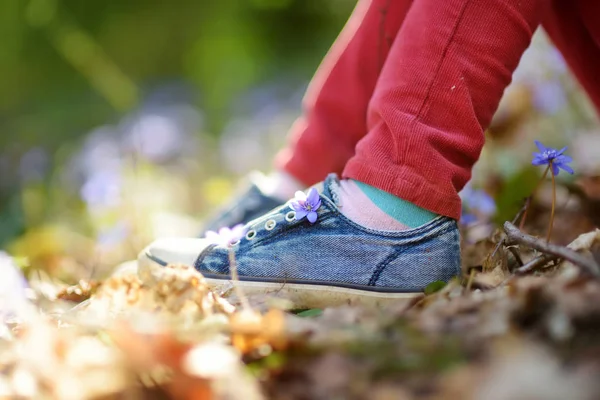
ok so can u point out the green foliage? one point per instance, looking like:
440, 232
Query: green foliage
12, 222
513, 192
434, 287
313, 312
67, 65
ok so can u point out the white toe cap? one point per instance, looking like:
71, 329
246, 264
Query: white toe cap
175, 250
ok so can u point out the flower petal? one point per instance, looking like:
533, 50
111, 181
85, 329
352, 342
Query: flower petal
566, 168
539, 161
296, 206
312, 217
559, 152
563, 159
555, 169
467, 219
300, 214
224, 231
237, 232
317, 204
300, 195
540, 146
313, 197
212, 237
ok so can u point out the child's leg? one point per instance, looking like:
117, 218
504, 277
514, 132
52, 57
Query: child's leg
335, 115
439, 87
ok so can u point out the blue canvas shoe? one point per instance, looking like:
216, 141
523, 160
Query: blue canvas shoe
316, 257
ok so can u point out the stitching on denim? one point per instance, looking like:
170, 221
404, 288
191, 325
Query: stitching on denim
379, 269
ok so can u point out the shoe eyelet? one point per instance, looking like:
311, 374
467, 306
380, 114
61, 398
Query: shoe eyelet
234, 243
270, 224
251, 234
290, 216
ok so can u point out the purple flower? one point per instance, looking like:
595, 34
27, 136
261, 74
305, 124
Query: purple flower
102, 189
550, 156
549, 97
306, 206
478, 206
226, 236
468, 219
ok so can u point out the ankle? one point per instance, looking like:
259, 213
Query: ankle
375, 209
399, 209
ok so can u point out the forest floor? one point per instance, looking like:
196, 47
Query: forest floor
522, 323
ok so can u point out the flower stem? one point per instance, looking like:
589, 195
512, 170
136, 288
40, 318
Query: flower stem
553, 205
530, 198
236, 279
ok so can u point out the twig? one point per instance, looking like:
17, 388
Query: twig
516, 254
514, 235
536, 263
471, 277
530, 266
236, 280
514, 221
520, 213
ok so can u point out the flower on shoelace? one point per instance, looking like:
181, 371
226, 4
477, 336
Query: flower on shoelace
306, 205
556, 158
226, 236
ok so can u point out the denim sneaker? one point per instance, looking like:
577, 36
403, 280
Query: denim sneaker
250, 203
330, 262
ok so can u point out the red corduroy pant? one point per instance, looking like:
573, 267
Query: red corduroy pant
402, 99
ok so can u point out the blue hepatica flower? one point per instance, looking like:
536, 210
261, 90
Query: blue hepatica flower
556, 158
306, 205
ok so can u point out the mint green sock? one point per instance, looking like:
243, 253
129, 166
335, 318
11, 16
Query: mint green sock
401, 210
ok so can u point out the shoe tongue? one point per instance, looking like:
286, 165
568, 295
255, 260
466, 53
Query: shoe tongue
330, 188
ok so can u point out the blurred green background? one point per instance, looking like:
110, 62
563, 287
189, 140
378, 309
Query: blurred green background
121, 121
113, 105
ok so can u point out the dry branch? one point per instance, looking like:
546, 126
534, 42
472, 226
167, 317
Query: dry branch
515, 236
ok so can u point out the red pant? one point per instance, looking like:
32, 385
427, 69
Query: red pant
403, 97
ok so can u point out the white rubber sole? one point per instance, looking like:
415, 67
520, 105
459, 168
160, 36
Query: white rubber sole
301, 295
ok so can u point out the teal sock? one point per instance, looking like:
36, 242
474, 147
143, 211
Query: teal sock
401, 210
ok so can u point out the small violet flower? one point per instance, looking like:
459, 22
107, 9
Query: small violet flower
226, 236
306, 205
477, 205
556, 158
